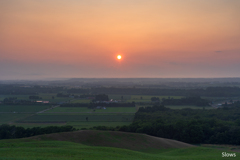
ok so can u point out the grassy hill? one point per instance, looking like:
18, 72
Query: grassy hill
132, 141
89, 145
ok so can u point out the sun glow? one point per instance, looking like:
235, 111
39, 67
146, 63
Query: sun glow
119, 57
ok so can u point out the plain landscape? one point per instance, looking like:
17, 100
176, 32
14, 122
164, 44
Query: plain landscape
170, 121
119, 79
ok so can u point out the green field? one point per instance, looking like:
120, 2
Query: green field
44, 96
80, 101
73, 118
119, 97
178, 106
25, 115
187, 106
23, 108
69, 109
50, 150
11, 117
85, 109
24, 97
44, 148
117, 109
146, 98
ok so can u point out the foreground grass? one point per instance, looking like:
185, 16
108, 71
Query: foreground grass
32, 149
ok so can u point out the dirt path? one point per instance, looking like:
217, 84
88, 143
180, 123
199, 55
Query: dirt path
47, 109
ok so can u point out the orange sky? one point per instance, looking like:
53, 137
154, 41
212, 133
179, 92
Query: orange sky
69, 38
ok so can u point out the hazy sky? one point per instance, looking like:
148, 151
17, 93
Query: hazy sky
156, 38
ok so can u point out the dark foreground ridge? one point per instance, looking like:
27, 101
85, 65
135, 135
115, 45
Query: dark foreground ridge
132, 141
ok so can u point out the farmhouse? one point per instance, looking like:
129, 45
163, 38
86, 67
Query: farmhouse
100, 107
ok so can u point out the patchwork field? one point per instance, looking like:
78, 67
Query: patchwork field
188, 106
79, 117
73, 118
85, 109
11, 117
23, 108
80, 101
144, 98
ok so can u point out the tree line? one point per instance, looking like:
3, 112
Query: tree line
94, 105
11, 131
215, 126
206, 92
198, 101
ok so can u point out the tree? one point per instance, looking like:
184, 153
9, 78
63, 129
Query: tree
154, 99
101, 97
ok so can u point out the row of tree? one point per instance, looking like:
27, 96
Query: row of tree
206, 92
10, 132
94, 105
198, 101
34, 97
215, 126
15, 101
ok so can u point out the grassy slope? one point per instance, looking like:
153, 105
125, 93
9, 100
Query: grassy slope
132, 141
33, 149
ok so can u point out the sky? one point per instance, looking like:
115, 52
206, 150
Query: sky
82, 38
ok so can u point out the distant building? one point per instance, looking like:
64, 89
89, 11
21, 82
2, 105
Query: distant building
45, 102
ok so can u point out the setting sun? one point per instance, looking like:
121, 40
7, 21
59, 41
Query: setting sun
119, 57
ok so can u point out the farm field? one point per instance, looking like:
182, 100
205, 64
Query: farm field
74, 118
25, 115
23, 108
147, 98
85, 109
69, 109
116, 109
178, 106
24, 97
11, 117
119, 97
187, 106
44, 96
80, 101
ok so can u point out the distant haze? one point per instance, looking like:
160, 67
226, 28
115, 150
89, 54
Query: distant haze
157, 39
